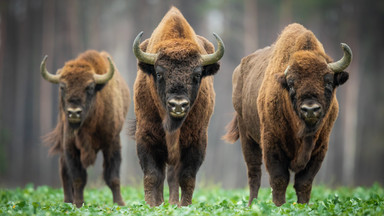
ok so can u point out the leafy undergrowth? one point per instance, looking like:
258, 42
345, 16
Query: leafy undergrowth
45, 200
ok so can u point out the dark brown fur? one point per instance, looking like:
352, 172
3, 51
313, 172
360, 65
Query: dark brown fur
268, 119
160, 139
100, 129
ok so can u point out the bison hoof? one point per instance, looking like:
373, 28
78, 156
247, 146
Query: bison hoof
279, 202
120, 202
173, 202
251, 200
78, 204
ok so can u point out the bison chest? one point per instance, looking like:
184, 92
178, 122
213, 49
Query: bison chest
299, 152
88, 144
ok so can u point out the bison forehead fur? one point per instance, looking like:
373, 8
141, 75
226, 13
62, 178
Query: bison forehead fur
284, 98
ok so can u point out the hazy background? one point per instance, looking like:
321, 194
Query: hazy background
29, 29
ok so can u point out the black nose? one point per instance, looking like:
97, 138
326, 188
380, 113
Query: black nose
311, 110
74, 113
178, 105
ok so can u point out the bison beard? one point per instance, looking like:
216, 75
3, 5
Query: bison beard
285, 103
171, 124
174, 99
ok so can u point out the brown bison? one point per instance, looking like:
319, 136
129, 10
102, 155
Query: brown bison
174, 100
285, 102
93, 103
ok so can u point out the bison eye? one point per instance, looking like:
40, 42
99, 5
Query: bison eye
158, 75
90, 89
198, 72
290, 83
197, 75
329, 86
328, 80
159, 71
62, 86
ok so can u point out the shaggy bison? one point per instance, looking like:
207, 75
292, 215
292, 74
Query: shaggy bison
285, 103
93, 103
174, 100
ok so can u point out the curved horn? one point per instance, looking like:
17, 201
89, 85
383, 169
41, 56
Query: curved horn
103, 78
216, 56
286, 70
148, 58
46, 75
344, 62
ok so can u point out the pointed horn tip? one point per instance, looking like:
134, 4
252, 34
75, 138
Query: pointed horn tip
346, 48
344, 45
109, 59
111, 63
103, 78
219, 40
138, 38
44, 60
45, 74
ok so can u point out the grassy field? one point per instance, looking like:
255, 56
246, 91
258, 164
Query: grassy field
206, 201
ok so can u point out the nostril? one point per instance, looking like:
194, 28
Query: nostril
178, 105
304, 109
74, 112
316, 109
311, 110
171, 103
185, 104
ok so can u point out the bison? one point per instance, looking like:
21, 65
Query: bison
93, 103
174, 100
284, 96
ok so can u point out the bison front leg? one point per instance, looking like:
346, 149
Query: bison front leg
277, 167
304, 178
78, 175
152, 162
112, 161
191, 160
173, 183
66, 180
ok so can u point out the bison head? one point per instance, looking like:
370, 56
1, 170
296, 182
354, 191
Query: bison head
178, 69
78, 88
311, 82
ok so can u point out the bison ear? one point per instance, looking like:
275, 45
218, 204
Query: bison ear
147, 68
282, 80
340, 78
211, 69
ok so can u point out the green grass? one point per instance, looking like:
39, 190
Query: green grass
206, 201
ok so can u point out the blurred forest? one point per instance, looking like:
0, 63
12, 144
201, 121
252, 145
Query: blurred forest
30, 29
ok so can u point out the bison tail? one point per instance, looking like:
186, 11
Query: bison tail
232, 131
54, 139
132, 128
